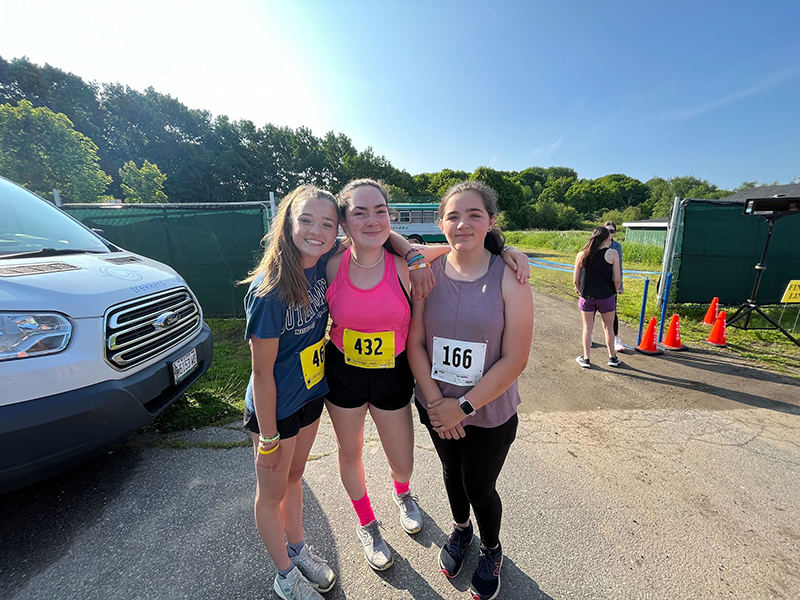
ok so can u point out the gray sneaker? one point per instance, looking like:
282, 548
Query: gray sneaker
375, 549
315, 569
295, 587
410, 518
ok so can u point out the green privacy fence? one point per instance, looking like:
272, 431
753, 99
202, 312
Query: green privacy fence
211, 245
718, 247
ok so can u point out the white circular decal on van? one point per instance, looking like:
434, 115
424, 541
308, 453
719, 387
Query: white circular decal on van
121, 273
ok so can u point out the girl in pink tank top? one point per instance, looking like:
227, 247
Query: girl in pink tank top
384, 307
366, 365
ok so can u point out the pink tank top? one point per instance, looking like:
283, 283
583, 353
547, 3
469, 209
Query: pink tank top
380, 308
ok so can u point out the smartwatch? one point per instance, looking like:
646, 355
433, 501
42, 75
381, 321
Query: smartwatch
466, 406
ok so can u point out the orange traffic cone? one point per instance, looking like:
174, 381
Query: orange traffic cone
717, 335
711, 313
673, 339
648, 344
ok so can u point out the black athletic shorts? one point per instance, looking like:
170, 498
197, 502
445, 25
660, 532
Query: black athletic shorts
291, 425
351, 387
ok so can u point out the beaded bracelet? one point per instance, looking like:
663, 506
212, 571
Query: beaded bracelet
269, 440
270, 451
421, 265
410, 250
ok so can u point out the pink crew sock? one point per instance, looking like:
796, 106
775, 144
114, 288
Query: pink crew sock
364, 510
401, 488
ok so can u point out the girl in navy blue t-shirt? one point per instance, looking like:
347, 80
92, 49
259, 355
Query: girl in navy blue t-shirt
287, 316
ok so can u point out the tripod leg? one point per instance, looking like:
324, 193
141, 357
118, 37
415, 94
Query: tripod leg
741, 312
777, 326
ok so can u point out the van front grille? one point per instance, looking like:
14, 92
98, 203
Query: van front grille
140, 329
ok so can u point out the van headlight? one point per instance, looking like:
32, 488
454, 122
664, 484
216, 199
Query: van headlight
25, 335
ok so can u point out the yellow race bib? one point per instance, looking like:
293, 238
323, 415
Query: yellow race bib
312, 359
369, 350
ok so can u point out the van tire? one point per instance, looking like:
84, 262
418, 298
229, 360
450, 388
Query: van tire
415, 239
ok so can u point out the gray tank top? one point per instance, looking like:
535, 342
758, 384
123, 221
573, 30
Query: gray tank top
472, 311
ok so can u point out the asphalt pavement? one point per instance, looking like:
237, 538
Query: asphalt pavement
667, 499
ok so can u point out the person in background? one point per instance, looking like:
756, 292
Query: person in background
615, 245
596, 279
469, 342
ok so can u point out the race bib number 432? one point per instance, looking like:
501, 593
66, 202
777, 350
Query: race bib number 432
457, 362
369, 350
312, 359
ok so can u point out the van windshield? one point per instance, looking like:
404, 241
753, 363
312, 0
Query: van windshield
32, 226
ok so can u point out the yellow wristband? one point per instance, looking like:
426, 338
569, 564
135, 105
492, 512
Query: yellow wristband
264, 453
422, 265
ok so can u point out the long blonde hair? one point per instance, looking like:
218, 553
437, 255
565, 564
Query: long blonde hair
282, 264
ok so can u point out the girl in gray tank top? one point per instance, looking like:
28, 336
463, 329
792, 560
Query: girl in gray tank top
468, 343
480, 320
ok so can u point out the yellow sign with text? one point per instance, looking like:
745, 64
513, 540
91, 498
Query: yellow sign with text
792, 293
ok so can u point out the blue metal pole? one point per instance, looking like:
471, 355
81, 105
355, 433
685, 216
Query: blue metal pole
664, 303
641, 314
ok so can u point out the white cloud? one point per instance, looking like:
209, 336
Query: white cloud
773, 80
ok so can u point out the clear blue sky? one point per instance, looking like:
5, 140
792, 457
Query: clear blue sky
647, 89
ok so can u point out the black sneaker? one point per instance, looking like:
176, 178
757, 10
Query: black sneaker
486, 580
583, 361
614, 362
451, 556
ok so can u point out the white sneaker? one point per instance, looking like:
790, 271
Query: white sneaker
618, 345
375, 549
294, 587
410, 519
315, 569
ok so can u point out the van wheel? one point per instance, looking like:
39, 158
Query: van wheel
415, 239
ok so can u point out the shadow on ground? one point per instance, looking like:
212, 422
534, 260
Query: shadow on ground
40, 522
626, 370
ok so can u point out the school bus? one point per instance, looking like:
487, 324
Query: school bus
419, 223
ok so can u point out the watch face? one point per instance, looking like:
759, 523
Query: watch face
467, 407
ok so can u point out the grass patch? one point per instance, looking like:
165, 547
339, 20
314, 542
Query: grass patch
573, 241
769, 348
218, 396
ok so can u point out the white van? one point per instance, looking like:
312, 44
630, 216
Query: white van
95, 342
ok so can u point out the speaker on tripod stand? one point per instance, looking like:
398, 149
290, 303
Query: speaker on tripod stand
771, 209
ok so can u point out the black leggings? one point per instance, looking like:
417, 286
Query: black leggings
471, 466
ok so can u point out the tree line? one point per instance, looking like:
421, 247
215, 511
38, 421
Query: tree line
86, 139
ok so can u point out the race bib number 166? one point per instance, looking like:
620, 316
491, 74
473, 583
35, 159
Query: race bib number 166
457, 362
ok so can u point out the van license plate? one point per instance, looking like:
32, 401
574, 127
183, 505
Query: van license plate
184, 365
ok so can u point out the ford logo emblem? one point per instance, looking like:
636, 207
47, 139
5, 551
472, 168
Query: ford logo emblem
166, 320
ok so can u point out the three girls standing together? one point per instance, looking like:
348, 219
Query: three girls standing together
465, 344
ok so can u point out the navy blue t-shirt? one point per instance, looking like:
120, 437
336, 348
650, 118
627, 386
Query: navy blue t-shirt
269, 317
